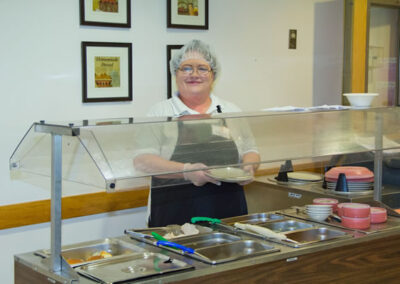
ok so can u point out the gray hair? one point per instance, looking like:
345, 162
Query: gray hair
194, 49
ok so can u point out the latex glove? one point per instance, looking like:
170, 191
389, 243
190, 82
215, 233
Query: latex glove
249, 169
198, 178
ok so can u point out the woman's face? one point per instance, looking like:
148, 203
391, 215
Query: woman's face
197, 82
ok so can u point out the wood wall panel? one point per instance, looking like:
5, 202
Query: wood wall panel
35, 212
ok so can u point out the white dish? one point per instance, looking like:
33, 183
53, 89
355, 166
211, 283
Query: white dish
319, 210
360, 99
318, 217
304, 176
318, 206
361, 192
319, 214
229, 174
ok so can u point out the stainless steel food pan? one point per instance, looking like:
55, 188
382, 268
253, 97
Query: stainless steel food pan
256, 218
287, 226
208, 240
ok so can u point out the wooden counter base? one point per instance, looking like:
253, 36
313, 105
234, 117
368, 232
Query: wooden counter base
374, 261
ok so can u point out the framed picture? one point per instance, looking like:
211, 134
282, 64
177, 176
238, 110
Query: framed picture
171, 80
106, 13
187, 14
106, 72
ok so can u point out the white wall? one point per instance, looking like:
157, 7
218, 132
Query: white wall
41, 78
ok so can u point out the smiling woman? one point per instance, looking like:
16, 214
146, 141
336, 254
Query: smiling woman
194, 192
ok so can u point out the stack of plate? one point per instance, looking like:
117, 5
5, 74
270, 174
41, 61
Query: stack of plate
318, 212
303, 177
358, 178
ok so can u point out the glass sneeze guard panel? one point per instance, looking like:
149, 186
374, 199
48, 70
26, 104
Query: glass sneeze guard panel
121, 151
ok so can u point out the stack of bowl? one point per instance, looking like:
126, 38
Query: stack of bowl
318, 212
358, 178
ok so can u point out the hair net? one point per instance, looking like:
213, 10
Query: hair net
194, 49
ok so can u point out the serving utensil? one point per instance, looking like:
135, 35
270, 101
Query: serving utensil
264, 231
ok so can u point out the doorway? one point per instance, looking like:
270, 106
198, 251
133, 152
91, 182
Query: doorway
383, 55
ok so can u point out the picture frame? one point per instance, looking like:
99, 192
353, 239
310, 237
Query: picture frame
106, 71
105, 13
187, 14
171, 80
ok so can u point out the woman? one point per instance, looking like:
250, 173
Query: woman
171, 201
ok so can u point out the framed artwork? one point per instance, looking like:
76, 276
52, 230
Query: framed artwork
171, 80
106, 72
106, 13
187, 14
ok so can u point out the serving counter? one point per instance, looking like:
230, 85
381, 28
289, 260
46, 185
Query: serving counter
369, 257
100, 154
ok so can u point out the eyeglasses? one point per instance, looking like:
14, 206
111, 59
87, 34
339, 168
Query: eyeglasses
202, 70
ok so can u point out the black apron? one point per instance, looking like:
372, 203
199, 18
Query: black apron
177, 204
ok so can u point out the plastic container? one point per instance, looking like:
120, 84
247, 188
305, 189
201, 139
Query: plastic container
356, 223
378, 215
355, 210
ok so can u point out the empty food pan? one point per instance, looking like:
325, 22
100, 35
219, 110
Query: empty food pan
315, 235
286, 226
233, 251
253, 218
208, 240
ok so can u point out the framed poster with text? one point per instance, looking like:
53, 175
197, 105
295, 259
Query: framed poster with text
106, 72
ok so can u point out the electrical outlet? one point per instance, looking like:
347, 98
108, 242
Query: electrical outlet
292, 39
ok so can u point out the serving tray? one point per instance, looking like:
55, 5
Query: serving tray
131, 267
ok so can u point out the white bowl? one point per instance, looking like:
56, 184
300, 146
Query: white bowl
325, 206
318, 217
360, 99
318, 207
319, 211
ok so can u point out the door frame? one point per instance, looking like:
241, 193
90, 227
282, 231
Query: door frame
356, 38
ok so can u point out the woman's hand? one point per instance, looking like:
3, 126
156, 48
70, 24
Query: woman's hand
254, 159
196, 175
250, 170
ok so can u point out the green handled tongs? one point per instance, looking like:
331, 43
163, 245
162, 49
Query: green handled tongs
216, 222
205, 219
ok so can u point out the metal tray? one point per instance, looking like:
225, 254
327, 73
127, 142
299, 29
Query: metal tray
85, 250
208, 240
315, 235
287, 226
232, 251
254, 219
131, 267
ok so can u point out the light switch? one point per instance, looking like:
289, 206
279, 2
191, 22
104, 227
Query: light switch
292, 39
